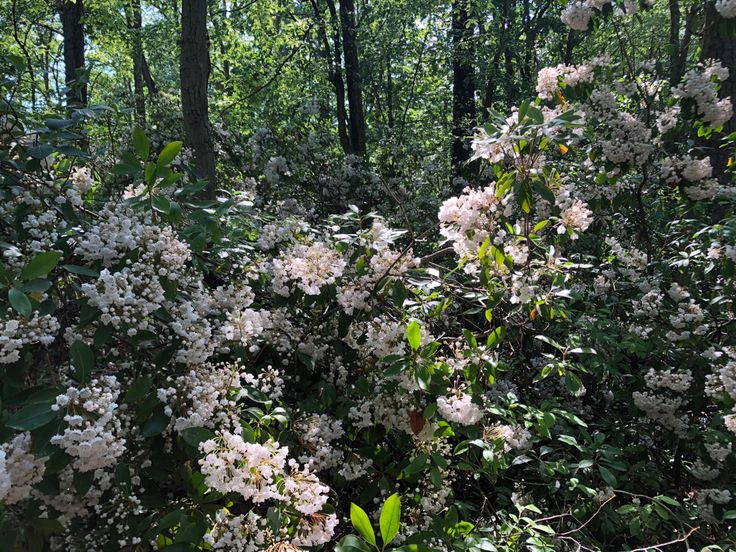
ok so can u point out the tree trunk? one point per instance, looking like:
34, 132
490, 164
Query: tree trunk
717, 44
463, 88
194, 73
334, 69
150, 83
352, 77
135, 26
675, 68
73, 32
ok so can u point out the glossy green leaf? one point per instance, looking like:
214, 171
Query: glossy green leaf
390, 518
362, 523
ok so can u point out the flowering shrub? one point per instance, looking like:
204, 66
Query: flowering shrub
188, 374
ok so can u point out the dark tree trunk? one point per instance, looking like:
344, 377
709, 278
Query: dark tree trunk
333, 58
569, 47
194, 73
73, 32
135, 26
463, 88
675, 68
718, 44
352, 77
150, 83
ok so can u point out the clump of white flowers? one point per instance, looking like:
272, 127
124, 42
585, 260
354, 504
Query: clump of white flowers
467, 220
232, 465
20, 469
93, 437
727, 8
549, 78
309, 267
459, 408
699, 84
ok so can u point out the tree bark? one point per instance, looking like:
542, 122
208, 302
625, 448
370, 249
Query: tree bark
718, 44
135, 27
352, 77
333, 58
73, 32
150, 83
675, 68
194, 73
463, 88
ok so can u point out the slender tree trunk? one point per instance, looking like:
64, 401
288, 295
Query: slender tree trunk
718, 44
194, 73
463, 88
569, 47
675, 67
135, 26
352, 77
73, 32
147, 78
332, 58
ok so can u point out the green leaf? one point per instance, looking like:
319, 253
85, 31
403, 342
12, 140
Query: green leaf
138, 390
195, 435
81, 270
362, 523
161, 204
31, 417
83, 360
40, 152
496, 336
417, 465
414, 335
608, 476
525, 197
141, 143
40, 265
169, 153
19, 302
351, 543
390, 517
156, 424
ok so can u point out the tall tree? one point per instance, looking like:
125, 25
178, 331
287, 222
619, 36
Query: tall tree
135, 28
720, 43
352, 76
463, 87
194, 71
71, 12
333, 59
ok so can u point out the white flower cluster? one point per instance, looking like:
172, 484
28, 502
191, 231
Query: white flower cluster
727, 8
699, 85
281, 231
93, 436
467, 220
698, 172
626, 139
664, 410
258, 473
575, 218
81, 183
250, 469
578, 13
549, 78
459, 408
15, 333
129, 295
310, 267
303, 491
514, 437
315, 434
205, 397
20, 470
